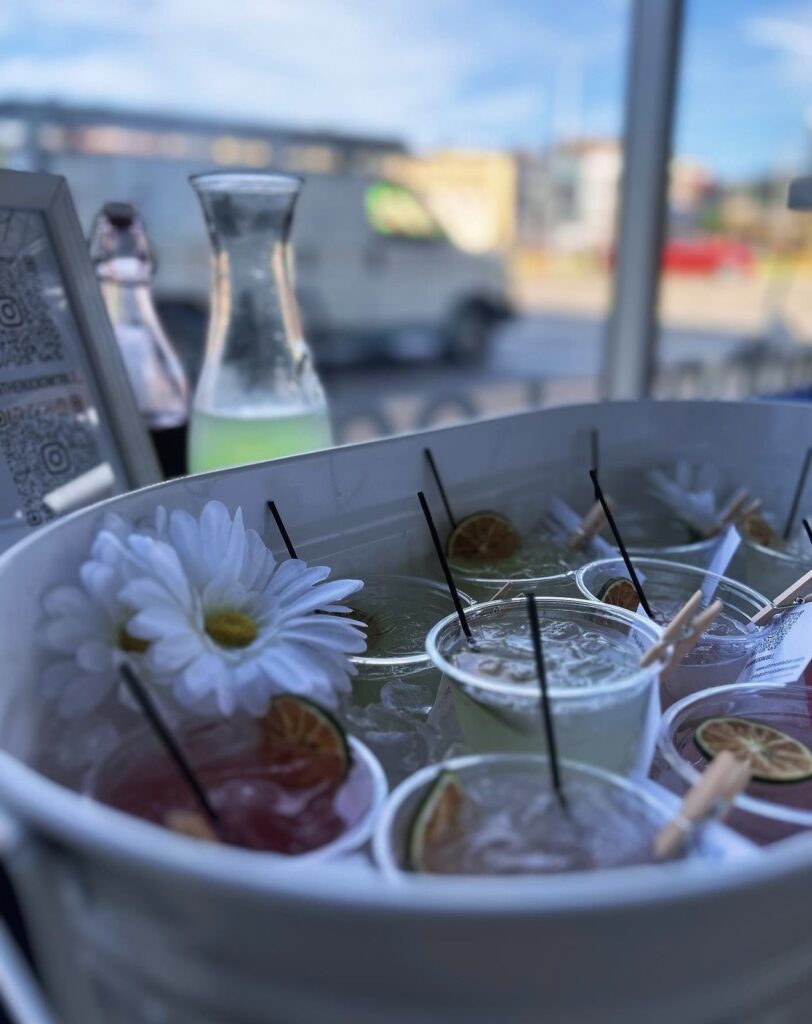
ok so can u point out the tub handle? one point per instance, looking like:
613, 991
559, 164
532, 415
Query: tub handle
20, 991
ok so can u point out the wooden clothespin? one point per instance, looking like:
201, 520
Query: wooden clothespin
730, 513
682, 633
749, 510
592, 523
191, 824
710, 797
799, 593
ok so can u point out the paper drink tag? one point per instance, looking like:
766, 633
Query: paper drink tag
722, 557
564, 521
785, 654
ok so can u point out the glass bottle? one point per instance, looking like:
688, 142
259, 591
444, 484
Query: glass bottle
258, 396
124, 266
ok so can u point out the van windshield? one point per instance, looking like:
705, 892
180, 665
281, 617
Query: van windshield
394, 210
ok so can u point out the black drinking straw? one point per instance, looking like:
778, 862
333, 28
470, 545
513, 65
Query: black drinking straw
138, 691
546, 710
438, 480
449, 579
595, 449
796, 498
808, 528
619, 541
281, 527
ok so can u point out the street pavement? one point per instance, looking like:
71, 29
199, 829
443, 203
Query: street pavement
533, 360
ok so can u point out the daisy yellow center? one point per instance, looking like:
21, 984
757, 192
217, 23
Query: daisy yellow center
231, 629
131, 644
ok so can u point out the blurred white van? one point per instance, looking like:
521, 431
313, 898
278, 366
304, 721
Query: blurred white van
375, 273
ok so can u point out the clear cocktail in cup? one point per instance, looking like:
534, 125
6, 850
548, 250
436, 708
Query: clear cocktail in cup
770, 563
600, 695
724, 649
768, 724
498, 814
271, 792
658, 533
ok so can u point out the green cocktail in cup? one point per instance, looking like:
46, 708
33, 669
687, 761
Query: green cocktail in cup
600, 695
395, 689
723, 650
543, 564
399, 611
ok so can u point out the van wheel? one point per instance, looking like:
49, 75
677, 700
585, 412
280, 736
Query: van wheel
469, 333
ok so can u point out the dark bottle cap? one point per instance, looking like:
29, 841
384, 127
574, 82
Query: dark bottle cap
120, 215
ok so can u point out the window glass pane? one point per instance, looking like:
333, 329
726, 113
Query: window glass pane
462, 163
736, 299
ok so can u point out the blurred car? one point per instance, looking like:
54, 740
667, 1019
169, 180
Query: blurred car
375, 274
708, 255
704, 255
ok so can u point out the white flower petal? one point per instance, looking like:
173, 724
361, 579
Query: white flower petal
94, 656
258, 563
336, 634
66, 601
103, 582
75, 692
324, 594
173, 653
67, 634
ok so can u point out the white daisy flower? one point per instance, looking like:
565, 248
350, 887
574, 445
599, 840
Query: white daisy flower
86, 627
226, 626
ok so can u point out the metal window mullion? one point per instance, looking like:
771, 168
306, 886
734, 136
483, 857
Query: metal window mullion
650, 99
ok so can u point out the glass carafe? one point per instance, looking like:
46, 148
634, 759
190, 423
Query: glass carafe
258, 396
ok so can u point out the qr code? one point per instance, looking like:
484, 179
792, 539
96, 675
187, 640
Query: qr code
779, 633
27, 332
45, 446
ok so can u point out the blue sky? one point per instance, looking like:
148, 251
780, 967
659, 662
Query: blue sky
516, 73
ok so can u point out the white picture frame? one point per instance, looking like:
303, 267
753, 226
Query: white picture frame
70, 430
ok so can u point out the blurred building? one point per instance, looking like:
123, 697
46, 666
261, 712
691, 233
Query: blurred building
584, 177
472, 193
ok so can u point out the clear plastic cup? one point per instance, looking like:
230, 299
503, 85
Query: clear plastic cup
723, 651
656, 533
772, 571
542, 565
767, 811
393, 705
400, 611
598, 720
615, 820
217, 751
485, 588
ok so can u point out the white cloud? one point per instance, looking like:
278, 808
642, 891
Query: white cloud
788, 32
384, 66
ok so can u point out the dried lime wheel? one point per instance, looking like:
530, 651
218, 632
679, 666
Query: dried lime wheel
295, 728
436, 820
619, 592
759, 531
483, 537
772, 755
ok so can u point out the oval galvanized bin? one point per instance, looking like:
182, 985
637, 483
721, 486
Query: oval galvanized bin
134, 924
